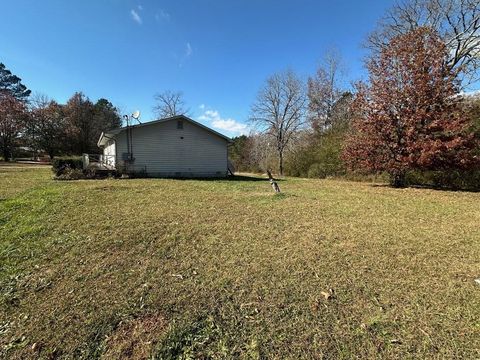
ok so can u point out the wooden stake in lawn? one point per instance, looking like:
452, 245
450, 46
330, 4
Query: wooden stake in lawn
273, 182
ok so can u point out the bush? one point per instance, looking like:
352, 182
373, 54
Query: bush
320, 157
317, 171
71, 174
62, 164
298, 163
448, 179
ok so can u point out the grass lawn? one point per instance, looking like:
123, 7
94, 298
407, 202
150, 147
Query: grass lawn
156, 268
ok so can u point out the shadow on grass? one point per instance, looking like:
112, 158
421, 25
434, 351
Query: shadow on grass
245, 178
428, 187
228, 178
146, 177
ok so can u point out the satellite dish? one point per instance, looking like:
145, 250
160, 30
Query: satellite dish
136, 115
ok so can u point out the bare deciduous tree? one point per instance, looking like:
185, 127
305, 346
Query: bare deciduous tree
260, 152
47, 125
169, 103
324, 90
279, 110
39, 101
456, 21
36, 102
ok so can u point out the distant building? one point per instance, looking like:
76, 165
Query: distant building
171, 147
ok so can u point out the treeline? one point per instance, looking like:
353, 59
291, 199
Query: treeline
35, 125
409, 122
320, 155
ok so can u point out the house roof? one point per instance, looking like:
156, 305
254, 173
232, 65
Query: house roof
110, 134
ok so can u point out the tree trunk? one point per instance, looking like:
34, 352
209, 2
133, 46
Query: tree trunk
7, 154
280, 163
398, 180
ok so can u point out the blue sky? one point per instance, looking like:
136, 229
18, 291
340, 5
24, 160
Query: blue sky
218, 52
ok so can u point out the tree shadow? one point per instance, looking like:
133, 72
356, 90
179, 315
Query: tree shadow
239, 178
428, 187
245, 178
110, 175
229, 178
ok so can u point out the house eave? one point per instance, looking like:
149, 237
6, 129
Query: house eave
105, 137
111, 133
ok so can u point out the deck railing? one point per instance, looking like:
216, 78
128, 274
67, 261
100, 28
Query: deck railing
101, 161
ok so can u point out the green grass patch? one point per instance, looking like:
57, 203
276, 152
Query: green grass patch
159, 268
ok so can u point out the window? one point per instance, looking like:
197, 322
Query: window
180, 125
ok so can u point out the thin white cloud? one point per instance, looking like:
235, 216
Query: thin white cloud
162, 14
186, 54
188, 50
136, 17
229, 125
140, 7
202, 107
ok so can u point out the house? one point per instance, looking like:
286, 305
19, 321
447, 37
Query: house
173, 147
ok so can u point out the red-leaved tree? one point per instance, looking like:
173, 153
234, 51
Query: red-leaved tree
12, 122
407, 117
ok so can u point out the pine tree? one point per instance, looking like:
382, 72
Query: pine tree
12, 84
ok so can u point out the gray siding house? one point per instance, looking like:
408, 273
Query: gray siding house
171, 147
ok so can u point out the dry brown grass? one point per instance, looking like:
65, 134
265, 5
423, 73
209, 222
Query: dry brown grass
135, 339
231, 270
